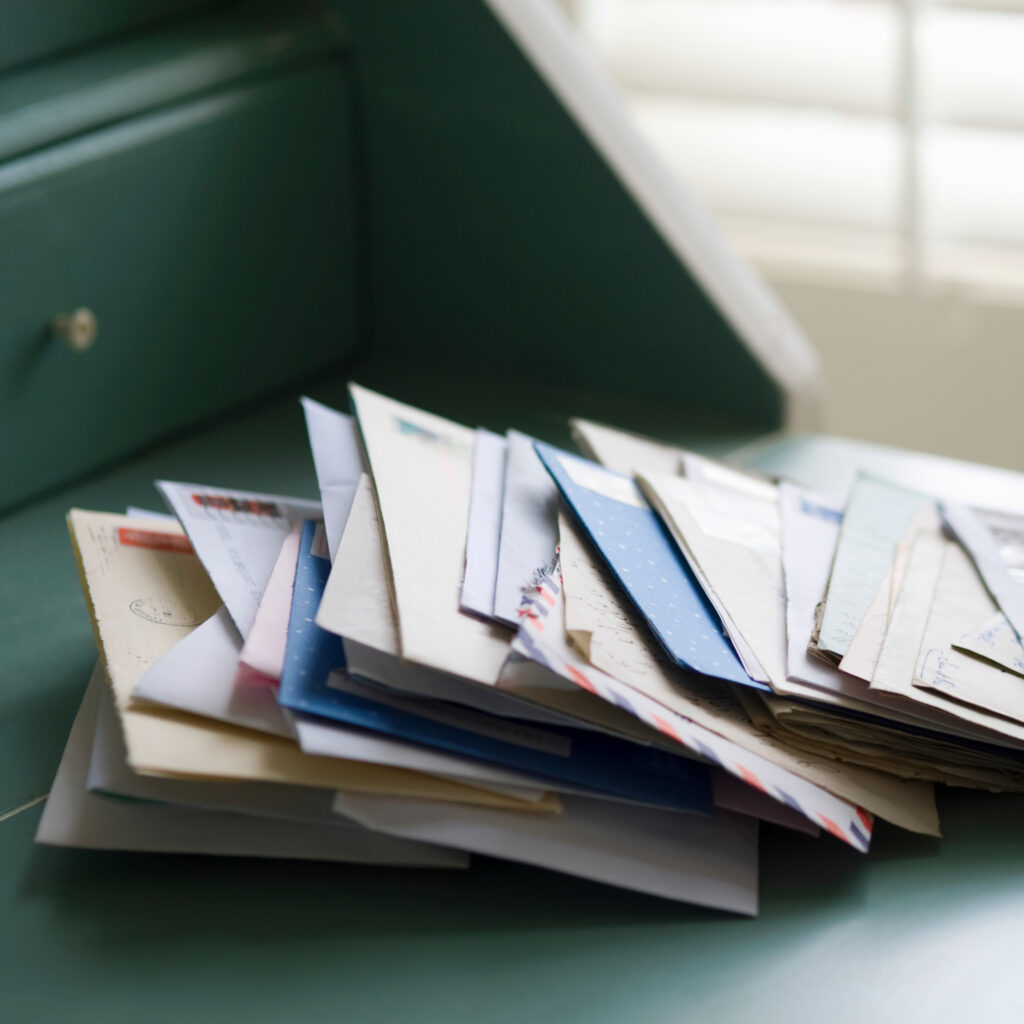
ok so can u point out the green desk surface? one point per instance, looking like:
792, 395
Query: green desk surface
916, 930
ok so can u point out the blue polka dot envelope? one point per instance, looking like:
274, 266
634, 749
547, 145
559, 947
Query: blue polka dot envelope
644, 559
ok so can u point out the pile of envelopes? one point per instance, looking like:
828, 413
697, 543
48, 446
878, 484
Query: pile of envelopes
613, 666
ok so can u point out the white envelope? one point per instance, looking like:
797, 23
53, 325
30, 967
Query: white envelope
324, 738
334, 442
261, 659
74, 817
529, 525
810, 529
237, 536
708, 861
198, 675
483, 532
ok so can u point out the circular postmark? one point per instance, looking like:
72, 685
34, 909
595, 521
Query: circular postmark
163, 612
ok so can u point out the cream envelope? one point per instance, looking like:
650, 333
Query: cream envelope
624, 452
708, 861
996, 641
917, 647
958, 676
146, 591
626, 660
421, 466
109, 774
74, 817
237, 536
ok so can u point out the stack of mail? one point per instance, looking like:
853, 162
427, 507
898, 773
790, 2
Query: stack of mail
613, 667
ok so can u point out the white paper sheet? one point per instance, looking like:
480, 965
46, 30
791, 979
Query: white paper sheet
529, 525
237, 536
708, 861
74, 817
483, 532
334, 442
421, 466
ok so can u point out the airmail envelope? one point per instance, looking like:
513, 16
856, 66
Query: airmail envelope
237, 536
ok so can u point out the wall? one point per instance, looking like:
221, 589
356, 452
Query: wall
941, 373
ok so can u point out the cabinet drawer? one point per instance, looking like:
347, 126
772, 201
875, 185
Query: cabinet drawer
37, 28
214, 243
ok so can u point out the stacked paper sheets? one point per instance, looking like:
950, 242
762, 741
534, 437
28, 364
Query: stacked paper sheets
613, 666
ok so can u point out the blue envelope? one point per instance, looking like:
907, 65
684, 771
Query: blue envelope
577, 758
641, 554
